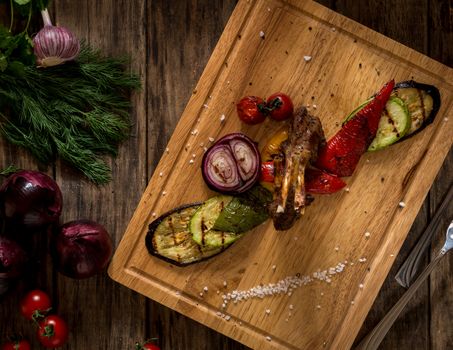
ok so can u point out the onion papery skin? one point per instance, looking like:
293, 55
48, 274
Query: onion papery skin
239, 154
30, 199
81, 249
55, 45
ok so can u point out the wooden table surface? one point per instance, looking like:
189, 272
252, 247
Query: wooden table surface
169, 43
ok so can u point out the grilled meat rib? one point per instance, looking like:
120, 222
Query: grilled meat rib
305, 137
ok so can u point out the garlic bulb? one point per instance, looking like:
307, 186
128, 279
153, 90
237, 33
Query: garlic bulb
54, 45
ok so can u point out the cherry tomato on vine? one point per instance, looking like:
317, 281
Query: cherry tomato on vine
22, 344
53, 332
146, 346
35, 304
280, 106
251, 110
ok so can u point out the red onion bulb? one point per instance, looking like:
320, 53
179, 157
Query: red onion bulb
54, 45
81, 249
12, 258
232, 164
31, 199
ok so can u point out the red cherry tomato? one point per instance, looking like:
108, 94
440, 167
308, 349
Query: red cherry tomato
146, 346
35, 304
251, 110
53, 332
280, 106
17, 345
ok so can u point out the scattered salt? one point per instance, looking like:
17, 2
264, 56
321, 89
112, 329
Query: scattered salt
164, 193
291, 307
274, 267
205, 106
318, 307
222, 117
161, 174
211, 139
362, 260
154, 215
191, 161
347, 189
268, 338
361, 285
445, 119
367, 234
193, 155
307, 58
201, 294
167, 150
205, 288
227, 317
224, 283
337, 249
262, 34
268, 311
401, 204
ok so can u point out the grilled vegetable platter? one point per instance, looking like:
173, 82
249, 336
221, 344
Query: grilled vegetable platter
296, 164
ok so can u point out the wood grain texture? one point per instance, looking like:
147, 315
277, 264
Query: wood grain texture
170, 43
235, 70
98, 303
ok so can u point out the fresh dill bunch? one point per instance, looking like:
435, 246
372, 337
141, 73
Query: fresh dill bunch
77, 112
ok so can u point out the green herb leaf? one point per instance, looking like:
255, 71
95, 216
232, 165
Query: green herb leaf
3, 62
22, 2
78, 111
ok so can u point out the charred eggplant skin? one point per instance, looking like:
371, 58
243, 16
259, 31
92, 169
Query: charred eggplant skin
430, 90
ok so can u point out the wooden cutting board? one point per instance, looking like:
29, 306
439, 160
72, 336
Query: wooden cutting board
260, 52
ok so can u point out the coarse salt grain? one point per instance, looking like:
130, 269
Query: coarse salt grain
194, 132
367, 234
291, 307
222, 117
392, 255
274, 267
401, 204
205, 106
178, 292
333, 29
154, 215
268, 338
193, 155
268, 311
283, 286
211, 139
315, 106
167, 150
307, 58
224, 283
262, 34
205, 288
318, 307
201, 294
191, 161
361, 285
362, 260
161, 174
347, 189
227, 317
445, 119
218, 313
337, 249
352, 302
164, 193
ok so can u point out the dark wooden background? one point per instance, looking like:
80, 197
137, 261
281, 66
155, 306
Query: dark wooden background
170, 42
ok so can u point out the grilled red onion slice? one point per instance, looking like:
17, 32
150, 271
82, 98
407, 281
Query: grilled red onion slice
231, 165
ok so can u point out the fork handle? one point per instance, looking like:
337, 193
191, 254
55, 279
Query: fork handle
409, 269
375, 337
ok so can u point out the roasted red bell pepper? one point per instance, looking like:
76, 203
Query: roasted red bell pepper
343, 151
320, 182
316, 181
267, 172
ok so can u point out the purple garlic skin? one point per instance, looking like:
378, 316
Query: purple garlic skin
55, 45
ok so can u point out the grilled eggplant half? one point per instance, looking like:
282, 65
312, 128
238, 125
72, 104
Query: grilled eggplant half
411, 107
422, 101
169, 238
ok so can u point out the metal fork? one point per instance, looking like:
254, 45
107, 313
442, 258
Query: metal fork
409, 268
374, 338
